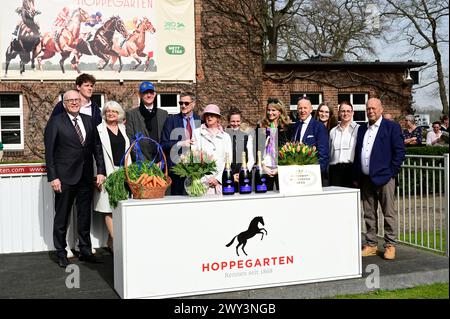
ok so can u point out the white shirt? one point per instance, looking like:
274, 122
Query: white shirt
431, 136
369, 139
342, 143
87, 109
80, 124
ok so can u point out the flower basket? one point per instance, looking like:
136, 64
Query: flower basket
298, 171
141, 191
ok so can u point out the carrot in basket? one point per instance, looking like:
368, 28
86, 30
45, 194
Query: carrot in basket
141, 178
146, 180
161, 182
149, 181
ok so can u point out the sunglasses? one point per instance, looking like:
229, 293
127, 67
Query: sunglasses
271, 100
181, 103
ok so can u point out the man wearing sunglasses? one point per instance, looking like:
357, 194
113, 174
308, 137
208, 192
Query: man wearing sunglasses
176, 136
147, 119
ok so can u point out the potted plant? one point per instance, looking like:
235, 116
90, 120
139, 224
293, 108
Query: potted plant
298, 168
194, 166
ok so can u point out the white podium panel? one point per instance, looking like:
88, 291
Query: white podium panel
179, 246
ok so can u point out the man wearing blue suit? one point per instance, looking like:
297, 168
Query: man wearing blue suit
311, 132
379, 155
176, 136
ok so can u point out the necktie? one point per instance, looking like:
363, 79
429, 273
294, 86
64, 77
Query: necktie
299, 132
188, 128
78, 130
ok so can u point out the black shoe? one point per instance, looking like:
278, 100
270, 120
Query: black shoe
63, 262
88, 258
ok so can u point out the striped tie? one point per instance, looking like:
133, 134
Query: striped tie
77, 128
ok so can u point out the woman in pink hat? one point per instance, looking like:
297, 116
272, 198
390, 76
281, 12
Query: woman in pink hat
211, 138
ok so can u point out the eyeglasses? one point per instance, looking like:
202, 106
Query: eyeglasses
345, 111
72, 101
181, 103
271, 100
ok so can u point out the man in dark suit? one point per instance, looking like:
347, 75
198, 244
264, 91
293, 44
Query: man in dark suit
71, 140
146, 119
311, 132
176, 136
379, 155
85, 86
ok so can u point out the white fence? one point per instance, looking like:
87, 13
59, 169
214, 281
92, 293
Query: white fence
422, 203
27, 210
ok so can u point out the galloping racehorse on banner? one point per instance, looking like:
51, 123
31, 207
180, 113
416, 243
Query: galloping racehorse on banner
135, 44
102, 43
64, 42
26, 37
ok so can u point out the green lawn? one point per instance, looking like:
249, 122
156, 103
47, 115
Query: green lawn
434, 291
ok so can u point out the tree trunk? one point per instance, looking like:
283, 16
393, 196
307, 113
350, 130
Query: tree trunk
441, 82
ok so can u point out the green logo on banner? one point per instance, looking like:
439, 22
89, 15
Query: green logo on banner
174, 49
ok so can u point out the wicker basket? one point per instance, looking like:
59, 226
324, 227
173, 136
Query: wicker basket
146, 192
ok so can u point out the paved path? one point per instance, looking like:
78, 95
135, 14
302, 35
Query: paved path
36, 275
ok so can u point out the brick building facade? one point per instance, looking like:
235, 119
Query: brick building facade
230, 72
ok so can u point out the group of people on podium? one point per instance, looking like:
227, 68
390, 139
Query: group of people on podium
79, 134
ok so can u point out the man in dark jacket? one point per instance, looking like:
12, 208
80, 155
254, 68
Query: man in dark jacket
71, 141
148, 120
379, 154
177, 136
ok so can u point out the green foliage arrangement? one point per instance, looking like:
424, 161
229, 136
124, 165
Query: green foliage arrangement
195, 164
296, 153
427, 150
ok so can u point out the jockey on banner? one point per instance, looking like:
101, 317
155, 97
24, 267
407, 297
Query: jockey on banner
27, 11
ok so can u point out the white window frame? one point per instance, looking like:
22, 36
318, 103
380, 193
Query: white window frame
14, 112
170, 109
293, 107
358, 107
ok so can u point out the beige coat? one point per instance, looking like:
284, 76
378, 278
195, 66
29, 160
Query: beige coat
101, 200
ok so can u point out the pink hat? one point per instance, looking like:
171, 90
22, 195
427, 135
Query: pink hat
211, 109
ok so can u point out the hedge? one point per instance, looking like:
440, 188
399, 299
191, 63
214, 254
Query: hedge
427, 150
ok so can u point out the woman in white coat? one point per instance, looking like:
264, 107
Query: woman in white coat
114, 143
211, 138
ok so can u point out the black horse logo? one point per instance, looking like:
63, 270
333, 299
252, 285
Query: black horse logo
252, 230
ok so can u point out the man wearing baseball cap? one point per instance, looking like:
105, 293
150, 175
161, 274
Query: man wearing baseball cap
146, 119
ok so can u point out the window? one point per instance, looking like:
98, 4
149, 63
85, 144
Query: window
99, 99
315, 98
358, 101
11, 121
168, 102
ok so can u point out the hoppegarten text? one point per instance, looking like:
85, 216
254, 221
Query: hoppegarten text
248, 263
140, 4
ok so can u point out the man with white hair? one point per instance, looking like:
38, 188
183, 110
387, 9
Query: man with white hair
71, 142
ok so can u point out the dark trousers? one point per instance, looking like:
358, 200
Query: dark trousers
340, 174
82, 193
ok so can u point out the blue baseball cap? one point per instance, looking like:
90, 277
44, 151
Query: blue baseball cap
146, 86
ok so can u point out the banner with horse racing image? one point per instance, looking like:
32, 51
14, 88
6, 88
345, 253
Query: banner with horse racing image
111, 39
